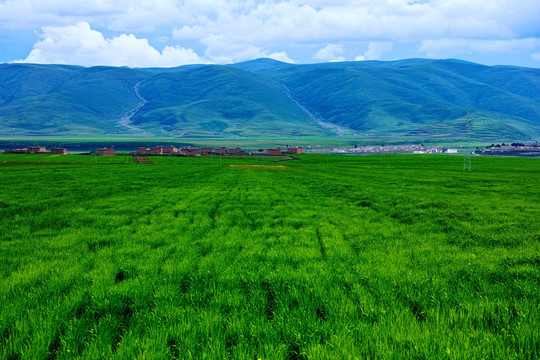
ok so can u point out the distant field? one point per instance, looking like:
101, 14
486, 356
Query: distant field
325, 257
45, 159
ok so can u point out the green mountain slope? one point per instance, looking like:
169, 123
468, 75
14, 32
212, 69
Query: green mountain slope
19, 81
50, 100
427, 98
221, 101
414, 99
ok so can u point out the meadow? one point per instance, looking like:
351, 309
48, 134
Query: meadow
324, 257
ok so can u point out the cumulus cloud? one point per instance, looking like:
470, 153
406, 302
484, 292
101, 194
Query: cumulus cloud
375, 51
459, 47
327, 21
220, 50
270, 27
29, 14
331, 52
81, 45
386, 21
281, 56
289, 19
117, 15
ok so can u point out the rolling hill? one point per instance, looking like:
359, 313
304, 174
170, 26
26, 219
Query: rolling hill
414, 99
219, 100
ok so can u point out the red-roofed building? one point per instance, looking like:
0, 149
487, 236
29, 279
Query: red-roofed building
141, 150
170, 150
36, 149
157, 150
221, 151
237, 151
295, 150
274, 152
59, 151
105, 152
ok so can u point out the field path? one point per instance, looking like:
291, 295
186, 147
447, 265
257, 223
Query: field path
142, 160
126, 119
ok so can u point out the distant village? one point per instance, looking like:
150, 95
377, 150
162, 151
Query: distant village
518, 149
165, 151
38, 150
411, 149
197, 151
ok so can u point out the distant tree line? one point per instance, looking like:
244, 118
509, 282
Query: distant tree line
503, 144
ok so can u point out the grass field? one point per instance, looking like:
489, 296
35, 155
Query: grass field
325, 257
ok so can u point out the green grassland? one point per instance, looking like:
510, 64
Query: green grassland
325, 257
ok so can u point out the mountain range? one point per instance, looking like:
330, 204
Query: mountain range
416, 99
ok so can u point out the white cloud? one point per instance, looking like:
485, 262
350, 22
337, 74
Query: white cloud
294, 22
25, 14
331, 53
536, 56
252, 27
385, 20
458, 47
375, 51
220, 50
281, 56
117, 15
268, 20
189, 33
80, 45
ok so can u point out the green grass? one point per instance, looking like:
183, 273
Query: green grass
320, 258
50, 159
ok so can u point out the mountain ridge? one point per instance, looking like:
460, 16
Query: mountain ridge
420, 99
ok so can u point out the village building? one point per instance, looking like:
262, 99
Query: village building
295, 150
221, 151
191, 151
36, 149
141, 150
17, 151
169, 150
27, 150
105, 152
59, 151
157, 150
274, 151
206, 151
237, 151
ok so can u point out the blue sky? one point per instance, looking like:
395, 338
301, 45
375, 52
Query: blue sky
166, 33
